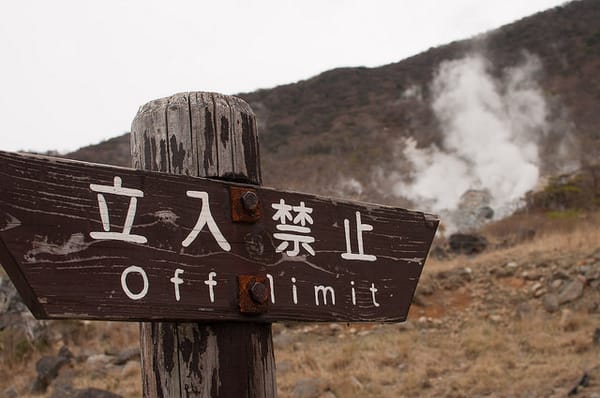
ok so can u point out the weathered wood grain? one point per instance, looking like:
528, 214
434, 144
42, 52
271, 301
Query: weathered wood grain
224, 130
48, 214
54, 212
199, 351
160, 360
203, 133
149, 140
182, 148
245, 142
218, 360
197, 360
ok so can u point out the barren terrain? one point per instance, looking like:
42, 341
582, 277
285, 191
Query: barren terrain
519, 320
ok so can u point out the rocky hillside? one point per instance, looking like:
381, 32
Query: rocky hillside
330, 132
520, 320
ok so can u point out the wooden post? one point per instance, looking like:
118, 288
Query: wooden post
205, 135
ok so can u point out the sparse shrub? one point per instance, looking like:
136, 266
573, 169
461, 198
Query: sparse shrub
573, 192
481, 339
593, 40
565, 214
15, 347
72, 331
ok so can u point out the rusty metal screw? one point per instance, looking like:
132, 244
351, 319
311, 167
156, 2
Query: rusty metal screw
258, 292
250, 201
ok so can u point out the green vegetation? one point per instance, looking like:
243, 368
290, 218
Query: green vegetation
16, 347
348, 122
565, 196
594, 39
564, 214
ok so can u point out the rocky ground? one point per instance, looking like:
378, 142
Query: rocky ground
513, 323
516, 321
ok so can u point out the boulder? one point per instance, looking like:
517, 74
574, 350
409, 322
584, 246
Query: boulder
524, 310
439, 253
94, 393
570, 292
47, 368
464, 243
454, 279
592, 273
62, 390
583, 382
596, 338
15, 315
507, 270
67, 391
10, 393
550, 302
328, 394
127, 355
308, 388
10, 301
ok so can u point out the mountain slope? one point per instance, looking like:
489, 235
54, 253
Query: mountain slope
329, 134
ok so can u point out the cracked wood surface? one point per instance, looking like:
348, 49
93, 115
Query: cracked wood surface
48, 213
203, 359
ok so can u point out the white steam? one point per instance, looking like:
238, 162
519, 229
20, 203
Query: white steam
491, 128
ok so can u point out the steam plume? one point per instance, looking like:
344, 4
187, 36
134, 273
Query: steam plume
491, 130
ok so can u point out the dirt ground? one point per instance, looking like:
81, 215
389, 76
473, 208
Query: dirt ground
519, 320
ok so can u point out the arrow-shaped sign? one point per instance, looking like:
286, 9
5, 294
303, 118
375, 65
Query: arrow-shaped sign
90, 241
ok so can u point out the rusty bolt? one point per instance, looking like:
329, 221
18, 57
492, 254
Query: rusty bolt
250, 201
258, 292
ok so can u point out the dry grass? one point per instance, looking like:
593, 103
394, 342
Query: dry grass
453, 347
84, 339
465, 354
554, 238
479, 358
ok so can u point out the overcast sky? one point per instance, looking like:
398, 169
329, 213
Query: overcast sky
73, 73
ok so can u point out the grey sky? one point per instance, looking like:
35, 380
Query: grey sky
73, 73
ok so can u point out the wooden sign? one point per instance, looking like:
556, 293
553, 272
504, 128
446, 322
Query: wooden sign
90, 241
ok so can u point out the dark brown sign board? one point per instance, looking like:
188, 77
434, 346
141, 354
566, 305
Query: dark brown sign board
90, 241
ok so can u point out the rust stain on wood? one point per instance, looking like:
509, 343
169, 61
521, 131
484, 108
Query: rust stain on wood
241, 210
251, 302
